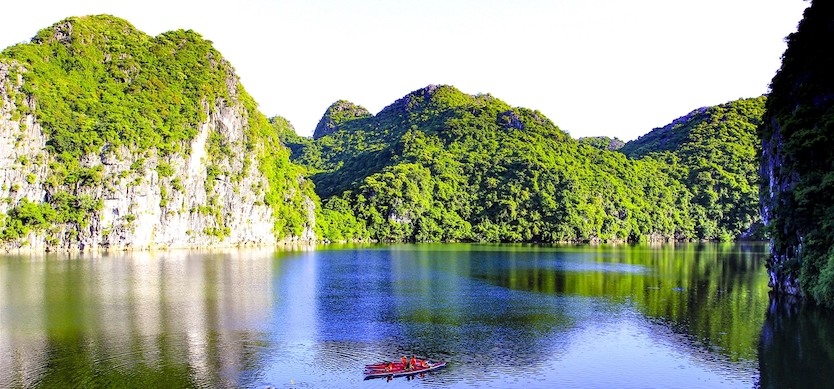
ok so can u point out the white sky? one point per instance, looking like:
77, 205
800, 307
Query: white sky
594, 67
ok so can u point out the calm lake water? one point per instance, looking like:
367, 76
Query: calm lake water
511, 316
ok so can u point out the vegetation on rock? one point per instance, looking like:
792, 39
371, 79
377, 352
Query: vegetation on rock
603, 142
436, 165
797, 165
96, 85
339, 112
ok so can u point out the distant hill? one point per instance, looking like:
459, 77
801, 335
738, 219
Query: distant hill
732, 122
338, 113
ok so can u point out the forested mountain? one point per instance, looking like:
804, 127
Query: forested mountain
797, 164
716, 148
111, 137
439, 164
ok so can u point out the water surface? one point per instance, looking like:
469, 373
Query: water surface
523, 316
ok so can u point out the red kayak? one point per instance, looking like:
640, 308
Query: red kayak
379, 369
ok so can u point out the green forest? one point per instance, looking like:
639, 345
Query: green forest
442, 165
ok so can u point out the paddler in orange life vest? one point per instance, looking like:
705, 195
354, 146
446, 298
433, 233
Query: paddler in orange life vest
405, 362
413, 362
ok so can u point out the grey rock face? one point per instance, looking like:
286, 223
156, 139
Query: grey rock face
776, 184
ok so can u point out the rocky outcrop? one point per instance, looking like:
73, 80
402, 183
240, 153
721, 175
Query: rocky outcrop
23, 165
603, 142
194, 213
775, 193
141, 208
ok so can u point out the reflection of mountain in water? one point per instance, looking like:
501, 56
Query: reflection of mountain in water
797, 345
522, 314
172, 319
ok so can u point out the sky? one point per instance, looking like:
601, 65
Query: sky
594, 67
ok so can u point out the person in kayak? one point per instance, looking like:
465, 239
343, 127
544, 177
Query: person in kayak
405, 362
413, 362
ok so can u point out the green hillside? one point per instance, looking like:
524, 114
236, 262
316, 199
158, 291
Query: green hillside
441, 165
717, 149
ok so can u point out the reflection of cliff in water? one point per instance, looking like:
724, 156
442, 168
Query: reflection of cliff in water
797, 345
140, 319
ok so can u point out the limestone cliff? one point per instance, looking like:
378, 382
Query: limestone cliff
797, 166
124, 159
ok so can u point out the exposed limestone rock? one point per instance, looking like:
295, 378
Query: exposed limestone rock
777, 183
23, 164
141, 209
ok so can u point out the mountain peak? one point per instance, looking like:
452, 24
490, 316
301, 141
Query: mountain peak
338, 113
87, 29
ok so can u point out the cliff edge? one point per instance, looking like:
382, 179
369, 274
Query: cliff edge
797, 166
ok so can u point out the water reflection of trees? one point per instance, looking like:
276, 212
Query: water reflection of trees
493, 307
715, 293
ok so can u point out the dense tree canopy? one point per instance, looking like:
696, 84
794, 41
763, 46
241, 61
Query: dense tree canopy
717, 149
436, 165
